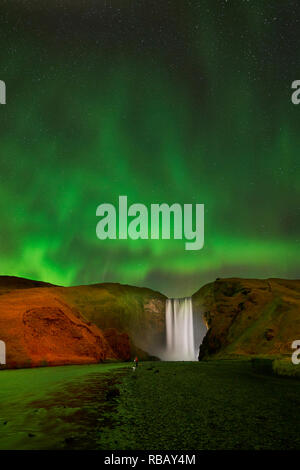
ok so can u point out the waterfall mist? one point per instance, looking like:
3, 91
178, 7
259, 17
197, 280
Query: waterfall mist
185, 330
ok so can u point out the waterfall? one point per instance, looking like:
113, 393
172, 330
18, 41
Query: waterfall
184, 330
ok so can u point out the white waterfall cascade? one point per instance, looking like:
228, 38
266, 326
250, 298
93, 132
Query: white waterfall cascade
184, 330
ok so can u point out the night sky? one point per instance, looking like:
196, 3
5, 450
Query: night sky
162, 101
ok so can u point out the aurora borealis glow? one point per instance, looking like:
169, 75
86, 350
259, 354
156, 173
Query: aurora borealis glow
162, 101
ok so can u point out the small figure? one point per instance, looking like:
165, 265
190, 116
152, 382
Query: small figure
135, 363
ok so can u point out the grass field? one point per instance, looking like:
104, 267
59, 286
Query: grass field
172, 406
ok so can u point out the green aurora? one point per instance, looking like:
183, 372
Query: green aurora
162, 101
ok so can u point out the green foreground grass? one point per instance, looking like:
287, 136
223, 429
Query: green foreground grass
284, 367
172, 406
44, 408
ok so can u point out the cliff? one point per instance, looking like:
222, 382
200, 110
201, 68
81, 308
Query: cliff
138, 312
46, 324
249, 317
43, 324
39, 329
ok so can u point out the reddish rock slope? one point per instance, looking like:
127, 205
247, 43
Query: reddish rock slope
45, 324
39, 329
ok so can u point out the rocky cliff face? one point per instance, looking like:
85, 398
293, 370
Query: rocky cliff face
249, 317
119, 343
43, 324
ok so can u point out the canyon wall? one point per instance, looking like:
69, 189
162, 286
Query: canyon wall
249, 317
43, 324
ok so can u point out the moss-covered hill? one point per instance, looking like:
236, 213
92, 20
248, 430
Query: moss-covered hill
249, 317
139, 312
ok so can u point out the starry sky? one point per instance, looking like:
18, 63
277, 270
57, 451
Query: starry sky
162, 101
